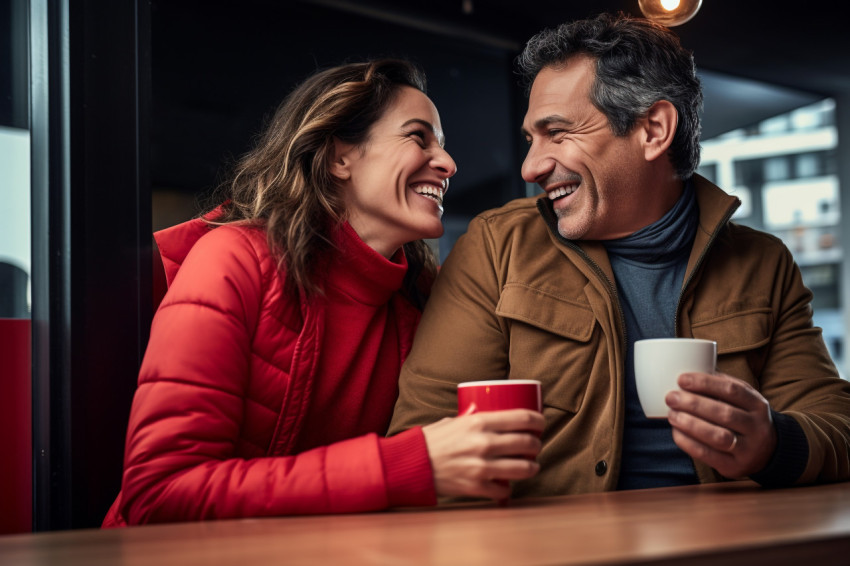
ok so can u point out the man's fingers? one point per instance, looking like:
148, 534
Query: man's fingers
723, 422
719, 438
721, 387
725, 462
708, 409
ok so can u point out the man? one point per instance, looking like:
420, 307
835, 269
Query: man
628, 243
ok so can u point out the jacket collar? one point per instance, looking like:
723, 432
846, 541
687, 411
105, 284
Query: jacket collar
175, 242
716, 208
361, 272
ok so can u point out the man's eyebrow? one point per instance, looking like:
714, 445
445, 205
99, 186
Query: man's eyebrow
441, 139
541, 123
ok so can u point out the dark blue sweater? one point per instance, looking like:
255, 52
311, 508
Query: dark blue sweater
649, 268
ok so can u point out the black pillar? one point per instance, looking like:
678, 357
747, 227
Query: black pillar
91, 222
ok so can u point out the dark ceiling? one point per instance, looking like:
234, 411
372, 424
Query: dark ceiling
800, 50
796, 44
219, 66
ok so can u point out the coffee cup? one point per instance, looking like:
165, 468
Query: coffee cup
660, 361
498, 395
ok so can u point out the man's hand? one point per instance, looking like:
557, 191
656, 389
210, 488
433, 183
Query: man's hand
722, 421
475, 455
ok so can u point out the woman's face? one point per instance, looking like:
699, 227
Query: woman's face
394, 183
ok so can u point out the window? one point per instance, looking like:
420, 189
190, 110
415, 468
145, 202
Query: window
785, 172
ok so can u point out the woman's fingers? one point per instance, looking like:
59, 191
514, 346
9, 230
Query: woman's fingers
475, 455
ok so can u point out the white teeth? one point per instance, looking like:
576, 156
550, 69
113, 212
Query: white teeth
561, 192
431, 191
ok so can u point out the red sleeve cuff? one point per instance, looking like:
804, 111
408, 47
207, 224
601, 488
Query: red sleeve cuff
407, 469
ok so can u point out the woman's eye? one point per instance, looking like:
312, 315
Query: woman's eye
419, 136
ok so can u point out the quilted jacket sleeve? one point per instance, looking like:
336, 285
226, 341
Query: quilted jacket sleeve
188, 412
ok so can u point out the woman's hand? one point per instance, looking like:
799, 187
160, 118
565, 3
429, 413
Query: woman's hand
475, 455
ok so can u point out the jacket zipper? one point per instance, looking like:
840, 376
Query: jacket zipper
609, 285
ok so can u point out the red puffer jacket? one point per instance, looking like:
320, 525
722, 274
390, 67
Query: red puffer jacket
223, 389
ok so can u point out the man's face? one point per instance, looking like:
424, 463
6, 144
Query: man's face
592, 177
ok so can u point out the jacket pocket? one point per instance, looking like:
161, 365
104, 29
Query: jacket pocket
737, 332
741, 339
550, 339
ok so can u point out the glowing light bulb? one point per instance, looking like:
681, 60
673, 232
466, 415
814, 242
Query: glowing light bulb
669, 12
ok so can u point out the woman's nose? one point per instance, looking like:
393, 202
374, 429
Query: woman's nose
444, 162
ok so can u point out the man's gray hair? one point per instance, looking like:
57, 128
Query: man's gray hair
638, 63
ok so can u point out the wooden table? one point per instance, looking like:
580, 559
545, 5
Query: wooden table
728, 524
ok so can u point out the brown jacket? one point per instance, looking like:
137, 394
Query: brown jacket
515, 300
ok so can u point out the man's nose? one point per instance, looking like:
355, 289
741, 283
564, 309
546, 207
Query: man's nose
536, 166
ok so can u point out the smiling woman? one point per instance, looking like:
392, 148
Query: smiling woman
297, 299
393, 185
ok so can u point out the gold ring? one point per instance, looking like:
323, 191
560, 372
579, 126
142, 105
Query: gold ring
734, 443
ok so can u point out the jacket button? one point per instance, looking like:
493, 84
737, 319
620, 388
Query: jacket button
601, 467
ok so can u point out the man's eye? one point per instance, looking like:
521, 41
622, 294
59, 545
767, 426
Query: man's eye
554, 132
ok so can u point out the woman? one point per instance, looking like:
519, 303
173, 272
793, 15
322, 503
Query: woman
271, 371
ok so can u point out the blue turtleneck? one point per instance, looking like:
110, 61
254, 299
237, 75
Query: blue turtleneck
649, 268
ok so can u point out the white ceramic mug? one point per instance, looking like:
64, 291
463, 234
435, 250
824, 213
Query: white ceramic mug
660, 361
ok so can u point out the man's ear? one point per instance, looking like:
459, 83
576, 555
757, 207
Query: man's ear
341, 163
659, 128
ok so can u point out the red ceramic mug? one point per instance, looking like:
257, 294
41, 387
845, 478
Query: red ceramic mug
498, 395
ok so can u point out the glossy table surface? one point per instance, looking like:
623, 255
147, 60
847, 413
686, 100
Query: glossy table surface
732, 523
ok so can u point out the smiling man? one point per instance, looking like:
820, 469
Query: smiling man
629, 243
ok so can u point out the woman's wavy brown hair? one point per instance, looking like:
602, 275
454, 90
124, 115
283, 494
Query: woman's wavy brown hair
284, 183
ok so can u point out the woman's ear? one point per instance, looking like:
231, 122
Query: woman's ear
341, 163
660, 128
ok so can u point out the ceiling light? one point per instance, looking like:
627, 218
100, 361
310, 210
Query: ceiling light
669, 12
